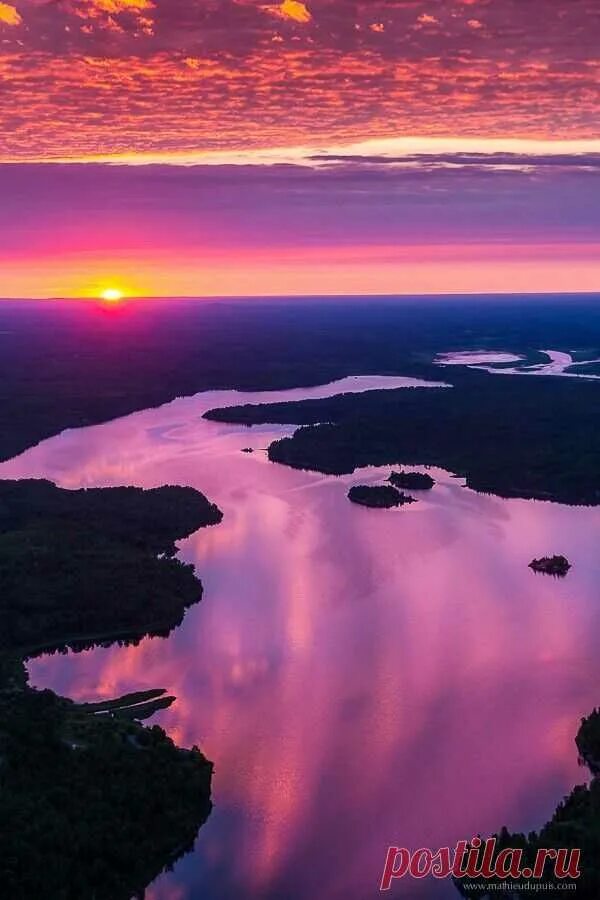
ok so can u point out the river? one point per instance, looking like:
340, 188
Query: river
359, 677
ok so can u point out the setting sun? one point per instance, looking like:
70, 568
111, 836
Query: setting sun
112, 295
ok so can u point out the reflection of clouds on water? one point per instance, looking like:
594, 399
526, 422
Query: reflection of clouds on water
359, 677
559, 363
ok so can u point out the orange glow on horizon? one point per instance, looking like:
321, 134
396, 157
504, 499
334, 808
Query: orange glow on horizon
313, 271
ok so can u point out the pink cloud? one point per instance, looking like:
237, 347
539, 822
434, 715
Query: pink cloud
289, 72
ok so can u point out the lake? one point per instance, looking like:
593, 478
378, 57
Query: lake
359, 677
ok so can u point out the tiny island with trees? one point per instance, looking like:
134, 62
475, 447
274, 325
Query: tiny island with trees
412, 481
551, 565
378, 496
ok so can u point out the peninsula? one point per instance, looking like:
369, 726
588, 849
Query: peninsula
495, 432
86, 781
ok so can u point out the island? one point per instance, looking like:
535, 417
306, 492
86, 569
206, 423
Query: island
415, 481
97, 804
378, 496
551, 565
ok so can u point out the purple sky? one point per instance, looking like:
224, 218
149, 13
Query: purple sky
291, 147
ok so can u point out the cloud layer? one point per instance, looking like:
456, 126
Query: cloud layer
447, 199
81, 77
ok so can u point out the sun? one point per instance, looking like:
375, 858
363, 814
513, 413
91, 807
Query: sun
111, 295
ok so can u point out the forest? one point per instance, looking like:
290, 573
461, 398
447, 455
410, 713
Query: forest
93, 564
67, 365
93, 803
536, 438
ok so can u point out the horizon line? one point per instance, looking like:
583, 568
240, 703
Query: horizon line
296, 296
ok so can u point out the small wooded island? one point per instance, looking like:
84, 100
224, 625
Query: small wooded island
412, 481
378, 496
551, 565
98, 804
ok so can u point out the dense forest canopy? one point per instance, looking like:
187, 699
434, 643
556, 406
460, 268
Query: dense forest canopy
509, 435
102, 363
93, 803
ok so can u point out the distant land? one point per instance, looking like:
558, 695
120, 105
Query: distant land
69, 364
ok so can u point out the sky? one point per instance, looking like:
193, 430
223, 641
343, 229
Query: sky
233, 147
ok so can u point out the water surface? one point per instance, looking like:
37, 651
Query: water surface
359, 677
559, 363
